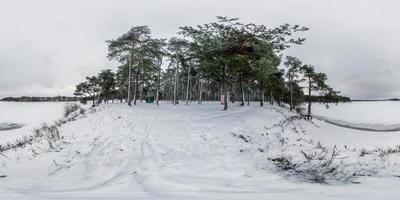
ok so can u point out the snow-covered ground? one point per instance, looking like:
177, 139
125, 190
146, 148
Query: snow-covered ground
189, 152
29, 114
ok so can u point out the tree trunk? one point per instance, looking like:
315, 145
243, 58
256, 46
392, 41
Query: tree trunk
225, 97
200, 91
98, 98
309, 95
271, 97
187, 86
242, 91
176, 80
136, 86
248, 94
232, 93
129, 82
291, 93
141, 85
93, 99
261, 96
159, 83
141, 92
225, 91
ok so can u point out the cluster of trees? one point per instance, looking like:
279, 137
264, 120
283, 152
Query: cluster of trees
224, 60
99, 88
40, 99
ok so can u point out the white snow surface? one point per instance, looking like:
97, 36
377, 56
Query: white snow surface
363, 112
184, 152
30, 114
360, 126
376, 116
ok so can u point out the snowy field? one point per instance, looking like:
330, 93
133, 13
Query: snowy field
192, 152
29, 114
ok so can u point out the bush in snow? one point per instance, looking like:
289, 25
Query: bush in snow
292, 153
70, 108
17, 143
300, 110
320, 165
49, 132
388, 151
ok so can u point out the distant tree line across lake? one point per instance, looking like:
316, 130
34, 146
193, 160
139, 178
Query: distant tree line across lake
330, 99
40, 99
223, 60
394, 99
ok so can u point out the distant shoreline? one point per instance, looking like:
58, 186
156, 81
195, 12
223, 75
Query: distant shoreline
40, 99
376, 100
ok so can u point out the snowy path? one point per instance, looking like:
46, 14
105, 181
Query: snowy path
145, 152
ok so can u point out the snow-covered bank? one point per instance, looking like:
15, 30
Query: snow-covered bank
183, 152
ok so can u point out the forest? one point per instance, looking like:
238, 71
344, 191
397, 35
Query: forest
225, 60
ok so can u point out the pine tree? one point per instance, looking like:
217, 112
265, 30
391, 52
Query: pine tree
224, 48
177, 49
128, 48
90, 88
293, 64
316, 82
107, 84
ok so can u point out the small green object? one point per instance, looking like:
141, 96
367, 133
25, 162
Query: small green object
149, 99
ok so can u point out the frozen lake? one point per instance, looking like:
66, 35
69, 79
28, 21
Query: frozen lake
377, 112
29, 114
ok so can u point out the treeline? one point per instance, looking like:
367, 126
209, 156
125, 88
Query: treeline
330, 99
394, 99
40, 99
224, 60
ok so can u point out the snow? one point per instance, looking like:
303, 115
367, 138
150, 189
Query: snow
360, 126
380, 116
28, 114
367, 118
334, 135
183, 152
377, 112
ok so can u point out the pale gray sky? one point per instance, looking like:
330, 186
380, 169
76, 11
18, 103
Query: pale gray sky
48, 46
